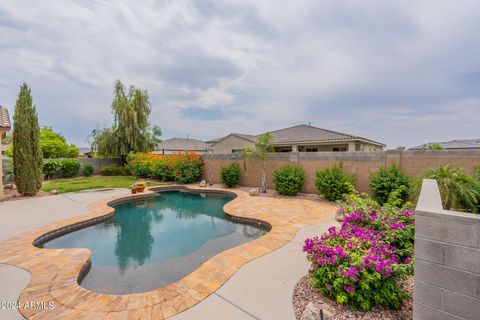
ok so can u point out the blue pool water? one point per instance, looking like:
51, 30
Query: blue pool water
151, 243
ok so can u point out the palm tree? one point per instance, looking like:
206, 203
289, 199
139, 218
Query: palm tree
262, 147
458, 190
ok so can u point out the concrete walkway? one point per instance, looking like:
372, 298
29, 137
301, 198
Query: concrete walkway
261, 289
22, 215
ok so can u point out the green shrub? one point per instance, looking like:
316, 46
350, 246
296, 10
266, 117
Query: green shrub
87, 169
186, 173
113, 170
458, 190
230, 174
365, 262
388, 180
333, 183
288, 180
52, 168
182, 167
70, 168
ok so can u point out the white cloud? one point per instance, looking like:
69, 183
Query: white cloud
350, 65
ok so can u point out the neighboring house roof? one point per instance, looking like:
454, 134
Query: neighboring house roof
309, 134
85, 150
4, 119
453, 144
304, 134
181, 144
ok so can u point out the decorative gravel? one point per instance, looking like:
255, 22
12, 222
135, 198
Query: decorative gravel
305, 293
274, 194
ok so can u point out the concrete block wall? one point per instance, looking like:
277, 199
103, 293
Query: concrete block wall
447, 260
98, 163
362, 164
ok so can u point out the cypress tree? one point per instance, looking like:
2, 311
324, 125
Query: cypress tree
27, 155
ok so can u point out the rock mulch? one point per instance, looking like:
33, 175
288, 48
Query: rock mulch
274, 194
305, 293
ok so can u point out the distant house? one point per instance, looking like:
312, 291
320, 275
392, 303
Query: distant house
85, 152
4, 127
175, 145
300, 138
465, 144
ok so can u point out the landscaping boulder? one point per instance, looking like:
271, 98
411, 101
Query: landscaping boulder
10, 186
254, 192
53, 192
316, 311
203, 184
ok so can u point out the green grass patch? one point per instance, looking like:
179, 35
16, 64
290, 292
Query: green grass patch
88, 183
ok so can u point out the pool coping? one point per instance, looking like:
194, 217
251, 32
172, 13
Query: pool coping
55, 272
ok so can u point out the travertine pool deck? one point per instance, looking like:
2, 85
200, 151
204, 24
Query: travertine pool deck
55, 271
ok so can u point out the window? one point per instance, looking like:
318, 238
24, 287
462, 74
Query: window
339, 149
358, 147
237, 151
311, 149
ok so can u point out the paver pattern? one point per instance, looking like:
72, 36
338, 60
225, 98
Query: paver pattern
55, 272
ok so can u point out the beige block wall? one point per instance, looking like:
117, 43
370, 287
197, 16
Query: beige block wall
362, 164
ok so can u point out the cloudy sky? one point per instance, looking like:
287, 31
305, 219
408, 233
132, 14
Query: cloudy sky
400, 72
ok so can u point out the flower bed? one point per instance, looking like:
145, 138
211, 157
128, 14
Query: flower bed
181, 168
363, 263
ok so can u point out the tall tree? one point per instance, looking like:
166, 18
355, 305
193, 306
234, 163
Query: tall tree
131, 130
27, 155
263, 146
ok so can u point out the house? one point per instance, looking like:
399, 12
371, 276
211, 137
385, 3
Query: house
300, 138
175, 145
465, 144
4, 127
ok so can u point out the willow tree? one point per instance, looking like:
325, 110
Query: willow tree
131, 130
27, 155
263, 146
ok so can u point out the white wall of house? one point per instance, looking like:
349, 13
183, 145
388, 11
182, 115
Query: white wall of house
230, 144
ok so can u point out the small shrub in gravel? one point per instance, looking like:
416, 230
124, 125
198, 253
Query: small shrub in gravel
230, 174
388, 180
333, 183
288, 180
87, 169
113, 170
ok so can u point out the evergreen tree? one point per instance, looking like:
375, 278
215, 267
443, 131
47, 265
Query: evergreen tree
27, 155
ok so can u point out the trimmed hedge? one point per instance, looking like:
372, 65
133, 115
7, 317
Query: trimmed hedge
87, 169
70, 168
113, 170
388, 180
65, 168
289, 180
333, 183
230, 174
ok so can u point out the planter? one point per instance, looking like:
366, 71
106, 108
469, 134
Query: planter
134, 189
140, 187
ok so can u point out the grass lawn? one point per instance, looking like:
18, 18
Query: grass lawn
94, 182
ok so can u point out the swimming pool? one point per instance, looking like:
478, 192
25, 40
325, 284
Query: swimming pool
153, 242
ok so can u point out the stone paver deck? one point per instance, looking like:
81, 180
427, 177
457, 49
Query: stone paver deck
55, 271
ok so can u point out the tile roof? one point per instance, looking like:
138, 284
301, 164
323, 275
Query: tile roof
181, 144
303, 134
308, 134
453, 144
4, 119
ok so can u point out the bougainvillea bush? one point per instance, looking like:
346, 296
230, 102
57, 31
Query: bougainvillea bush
363, 263
181, 167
